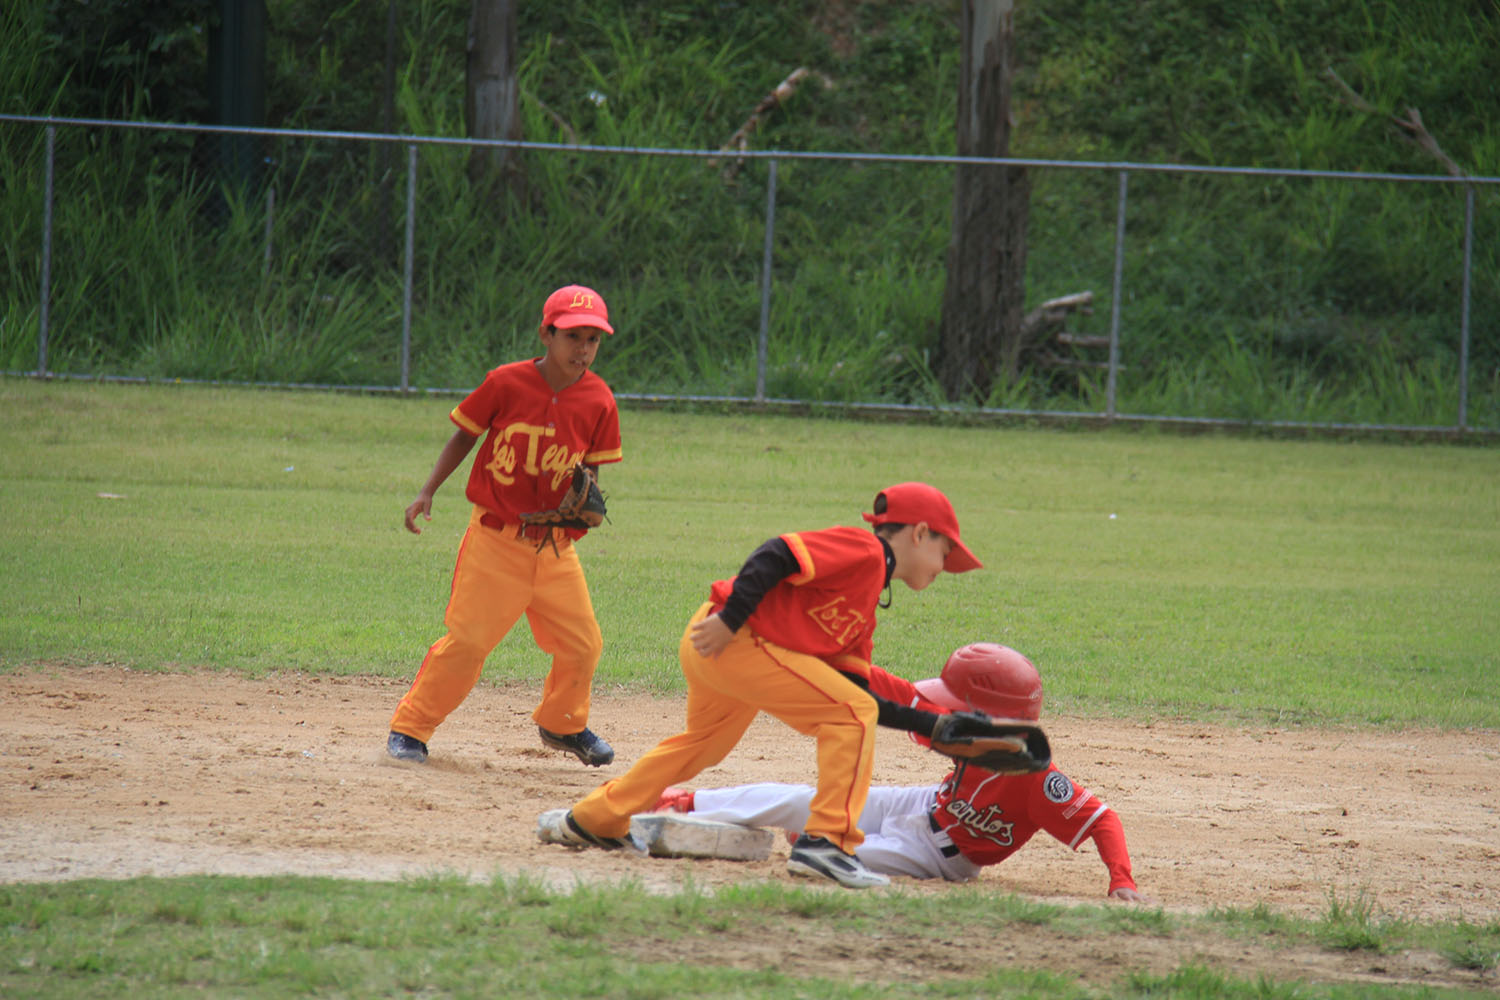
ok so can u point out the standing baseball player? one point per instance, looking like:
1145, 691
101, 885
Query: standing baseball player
971, 819
540, 418
791, 636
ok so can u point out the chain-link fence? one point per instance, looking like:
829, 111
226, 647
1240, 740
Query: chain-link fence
387, 263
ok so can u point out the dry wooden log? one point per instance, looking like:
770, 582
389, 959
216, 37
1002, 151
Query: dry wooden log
1045, 322
740, 140
1082, 339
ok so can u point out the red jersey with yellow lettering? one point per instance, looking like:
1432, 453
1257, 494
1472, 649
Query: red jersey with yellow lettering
827, 608
535, 436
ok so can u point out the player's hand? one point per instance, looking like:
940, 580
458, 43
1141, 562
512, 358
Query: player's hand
710, 636
1130, 896
421, 505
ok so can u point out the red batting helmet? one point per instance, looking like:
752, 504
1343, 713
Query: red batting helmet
989, 677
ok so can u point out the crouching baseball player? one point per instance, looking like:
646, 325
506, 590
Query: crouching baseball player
972, 818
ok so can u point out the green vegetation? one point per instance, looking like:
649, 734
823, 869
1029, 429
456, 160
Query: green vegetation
1150, 574
511, 936
1212, 577
1245, 297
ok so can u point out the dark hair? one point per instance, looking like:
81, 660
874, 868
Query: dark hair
889, 528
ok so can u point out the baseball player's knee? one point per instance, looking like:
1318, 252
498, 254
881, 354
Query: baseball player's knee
580, 652
588, 646
865, 710
458, 649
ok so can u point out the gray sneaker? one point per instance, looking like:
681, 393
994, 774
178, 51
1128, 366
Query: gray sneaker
403, 747
586, 746
820, 858
565, 830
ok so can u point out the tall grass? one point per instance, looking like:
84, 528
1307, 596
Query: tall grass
1245, 298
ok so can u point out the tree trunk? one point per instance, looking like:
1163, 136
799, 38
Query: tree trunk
980, 340
492, 106
385, 237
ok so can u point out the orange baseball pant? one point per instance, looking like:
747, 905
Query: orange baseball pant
496, 579
724, 694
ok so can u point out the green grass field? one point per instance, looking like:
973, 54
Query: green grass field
1146, 573
1232, 579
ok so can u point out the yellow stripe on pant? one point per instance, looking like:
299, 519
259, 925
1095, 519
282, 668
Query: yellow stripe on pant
497, 578
724, 695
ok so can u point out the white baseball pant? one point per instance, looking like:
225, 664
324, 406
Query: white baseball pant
899, 839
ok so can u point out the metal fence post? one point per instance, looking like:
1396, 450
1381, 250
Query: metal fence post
411, 237
1463, 323
44, 305
265, 263
1114, 306
765, 286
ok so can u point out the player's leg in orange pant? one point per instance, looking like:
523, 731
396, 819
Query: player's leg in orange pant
724, 695
562, 620
491, 588
813, 698
715, 723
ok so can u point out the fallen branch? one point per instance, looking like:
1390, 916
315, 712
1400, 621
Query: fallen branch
1411, 127
556, 118
1042, 329
1046, 320
740, 140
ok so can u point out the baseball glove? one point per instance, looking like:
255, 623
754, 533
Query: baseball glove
1005, 746
581, 507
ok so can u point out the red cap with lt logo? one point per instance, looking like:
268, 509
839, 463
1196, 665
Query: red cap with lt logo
576, 305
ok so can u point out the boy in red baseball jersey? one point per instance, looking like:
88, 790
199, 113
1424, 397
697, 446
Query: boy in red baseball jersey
973, 817
791, 635
539, 418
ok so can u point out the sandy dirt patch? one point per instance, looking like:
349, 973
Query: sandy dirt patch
112, 773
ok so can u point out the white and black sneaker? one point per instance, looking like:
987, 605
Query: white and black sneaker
403, 747
820, 858
586, 746
559, 827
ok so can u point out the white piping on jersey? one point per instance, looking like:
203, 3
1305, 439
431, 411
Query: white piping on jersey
1083, 830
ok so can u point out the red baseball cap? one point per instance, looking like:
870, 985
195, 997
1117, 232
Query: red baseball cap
576, 305
913, 503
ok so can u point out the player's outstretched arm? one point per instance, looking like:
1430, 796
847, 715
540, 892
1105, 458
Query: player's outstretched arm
452, 455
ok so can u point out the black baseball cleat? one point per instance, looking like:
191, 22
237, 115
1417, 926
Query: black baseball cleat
586, 746
403, 747
819, 857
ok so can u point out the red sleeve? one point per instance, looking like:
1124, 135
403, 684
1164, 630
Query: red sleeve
1109, 838
884, 684
475, 411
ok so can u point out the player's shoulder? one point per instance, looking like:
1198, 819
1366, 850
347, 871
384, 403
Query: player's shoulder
512, 372
840, 543
592, 388
857, 537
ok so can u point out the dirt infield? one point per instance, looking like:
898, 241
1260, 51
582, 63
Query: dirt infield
112, 773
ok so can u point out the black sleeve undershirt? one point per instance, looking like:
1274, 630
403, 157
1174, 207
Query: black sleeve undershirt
766, 567
895, 716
